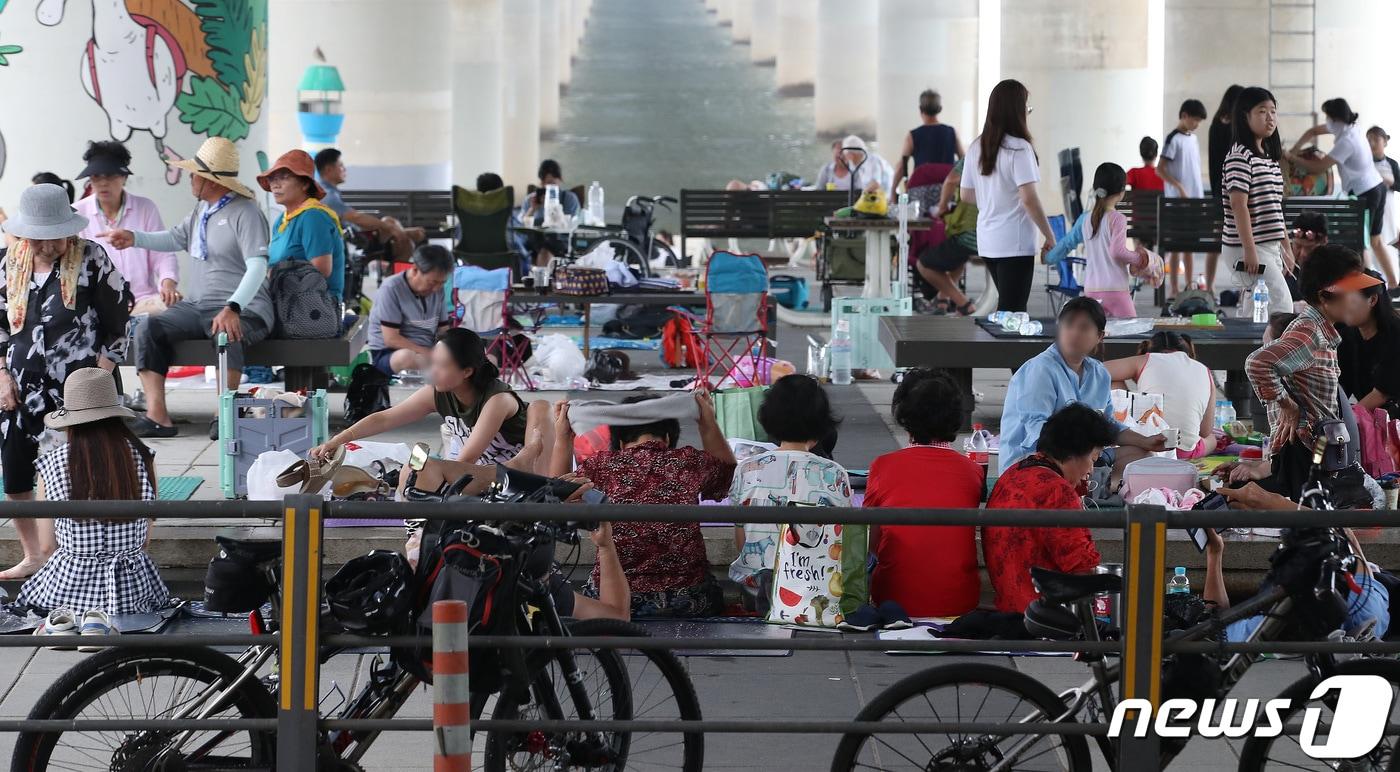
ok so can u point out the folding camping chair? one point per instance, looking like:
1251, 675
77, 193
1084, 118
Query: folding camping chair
481, 303
482, 221
735, 325
1066, 284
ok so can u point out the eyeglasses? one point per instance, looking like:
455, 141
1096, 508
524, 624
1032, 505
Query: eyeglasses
1299, 233
280, 176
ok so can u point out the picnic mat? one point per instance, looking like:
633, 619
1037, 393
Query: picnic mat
176, 488
927, 630
748, 628
16, 624
1232, 329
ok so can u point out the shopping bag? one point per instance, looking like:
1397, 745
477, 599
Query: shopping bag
820, 574
737, 411
262, 475
1142, 413
1378, 440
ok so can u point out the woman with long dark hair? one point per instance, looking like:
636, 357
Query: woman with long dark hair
1219, 140
1255, 243
485, 421
100, 567
1351, 154
1002, 171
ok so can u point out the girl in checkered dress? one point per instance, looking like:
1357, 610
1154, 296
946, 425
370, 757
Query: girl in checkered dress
99, 564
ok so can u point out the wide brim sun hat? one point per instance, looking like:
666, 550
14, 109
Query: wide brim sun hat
89, 395
217, 161
45, 213
298, 162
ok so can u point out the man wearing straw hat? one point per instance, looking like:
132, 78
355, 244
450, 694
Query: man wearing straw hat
227, 236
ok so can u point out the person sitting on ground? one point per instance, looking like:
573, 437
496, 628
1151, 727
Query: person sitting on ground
484, 420
1301, 364
153, 276
1145, 177
1062, 374
1056, 477
929, 570
1166, 364
306, 229
543, 247
331, 173
1369, 354
665, 563
1368, 601
100, 567
227, 286
408, 313
797, 415
1309, 232
931, 142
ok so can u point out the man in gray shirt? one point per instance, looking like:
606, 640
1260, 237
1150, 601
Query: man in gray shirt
226, 290
409, 312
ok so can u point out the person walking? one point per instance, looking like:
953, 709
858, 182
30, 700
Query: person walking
1254, 243
226, 235
1351, 154
65, 307
1000, 178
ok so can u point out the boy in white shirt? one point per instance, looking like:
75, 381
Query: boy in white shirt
1180, 170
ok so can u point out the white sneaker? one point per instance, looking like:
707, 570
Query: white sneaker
95, 623
59, 622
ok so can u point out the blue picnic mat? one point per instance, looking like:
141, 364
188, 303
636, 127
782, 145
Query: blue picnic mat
176, 488
598, 344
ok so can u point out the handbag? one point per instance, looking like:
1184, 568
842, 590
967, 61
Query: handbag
820, 575
737, 411
1380, 440
577, 280
302, 302
963, 219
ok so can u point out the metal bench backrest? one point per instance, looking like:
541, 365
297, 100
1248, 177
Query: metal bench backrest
1346, 218
426, 209
1140, 207
802, 213
1189, 225
757, 214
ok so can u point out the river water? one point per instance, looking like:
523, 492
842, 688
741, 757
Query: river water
662, 99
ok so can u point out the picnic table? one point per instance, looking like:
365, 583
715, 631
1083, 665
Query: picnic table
688, 299
960, 344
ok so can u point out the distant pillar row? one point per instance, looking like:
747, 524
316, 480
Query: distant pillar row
478, 126
925, 45
521, 94
742, 29
846, 70
549, 66
763, 41
796, 47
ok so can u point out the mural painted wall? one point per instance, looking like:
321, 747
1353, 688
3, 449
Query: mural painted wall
159, 75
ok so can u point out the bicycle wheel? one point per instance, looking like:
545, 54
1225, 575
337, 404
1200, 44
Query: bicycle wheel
627, 253
1286, 752
127, 684
966, 692
645, 686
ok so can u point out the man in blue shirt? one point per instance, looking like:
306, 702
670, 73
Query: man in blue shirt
330, 172
1060, 375
540, 247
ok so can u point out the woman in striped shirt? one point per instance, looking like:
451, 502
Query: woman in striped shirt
1254, 243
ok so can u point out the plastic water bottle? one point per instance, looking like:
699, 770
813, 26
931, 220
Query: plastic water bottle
1227, 413
1220, 413
979, 446
595, 204
1261, 302
1179, 583
841, 354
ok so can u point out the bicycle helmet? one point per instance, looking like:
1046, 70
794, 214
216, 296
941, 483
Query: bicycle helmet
371, 593
235, 582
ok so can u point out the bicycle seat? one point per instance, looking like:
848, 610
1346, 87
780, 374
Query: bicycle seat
249, 551
1056, 587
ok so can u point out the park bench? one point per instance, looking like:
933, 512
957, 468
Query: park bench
1140, 207
430, 210
756, 214
1346, 219
305, 363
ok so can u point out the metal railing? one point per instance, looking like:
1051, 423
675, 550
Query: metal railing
300, 640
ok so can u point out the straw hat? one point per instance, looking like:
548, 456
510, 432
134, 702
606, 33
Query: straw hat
217, 160
89, 394
44, 213
298, 162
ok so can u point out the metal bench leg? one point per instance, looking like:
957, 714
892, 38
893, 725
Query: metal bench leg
308, 378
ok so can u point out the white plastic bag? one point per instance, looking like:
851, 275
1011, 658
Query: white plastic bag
363, 453
262, 475
559, 357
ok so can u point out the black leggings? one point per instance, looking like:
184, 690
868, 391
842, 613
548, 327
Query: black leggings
1012, 277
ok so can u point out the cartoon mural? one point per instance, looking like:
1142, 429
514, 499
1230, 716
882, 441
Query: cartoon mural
204, 59
5, 53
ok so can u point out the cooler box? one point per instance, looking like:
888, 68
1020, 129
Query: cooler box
864, 315
1148, 473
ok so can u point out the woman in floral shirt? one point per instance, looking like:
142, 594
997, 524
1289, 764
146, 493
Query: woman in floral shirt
664, 563
1054, 477
65, 307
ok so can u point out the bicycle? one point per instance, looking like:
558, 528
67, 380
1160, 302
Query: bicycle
1003, 695
636, 245
203, 683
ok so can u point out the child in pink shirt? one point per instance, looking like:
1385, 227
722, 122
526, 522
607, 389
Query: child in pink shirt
1107, 257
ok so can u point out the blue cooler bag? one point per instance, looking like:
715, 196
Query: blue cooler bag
789, 291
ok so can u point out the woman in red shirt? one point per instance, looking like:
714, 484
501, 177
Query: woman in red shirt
1054, 477
929, 570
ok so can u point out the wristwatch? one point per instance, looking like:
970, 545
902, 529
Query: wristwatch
237, 309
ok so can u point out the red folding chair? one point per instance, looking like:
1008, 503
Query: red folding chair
481, 303
735, 326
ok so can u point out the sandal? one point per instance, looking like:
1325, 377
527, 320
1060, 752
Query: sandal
966, 309
312, 474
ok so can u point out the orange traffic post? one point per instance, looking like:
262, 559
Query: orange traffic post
451, 688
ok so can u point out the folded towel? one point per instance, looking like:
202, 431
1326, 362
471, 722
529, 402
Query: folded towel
586, 416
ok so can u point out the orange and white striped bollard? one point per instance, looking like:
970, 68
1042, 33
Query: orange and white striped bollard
451, 688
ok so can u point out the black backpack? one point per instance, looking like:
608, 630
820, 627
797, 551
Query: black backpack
368, 392
303, 303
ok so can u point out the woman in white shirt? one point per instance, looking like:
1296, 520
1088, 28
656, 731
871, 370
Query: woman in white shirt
1351, 154
1000, 177
1167, 365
